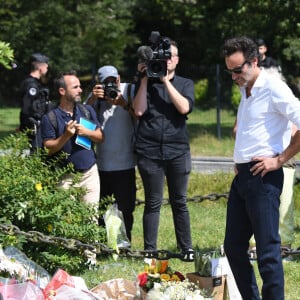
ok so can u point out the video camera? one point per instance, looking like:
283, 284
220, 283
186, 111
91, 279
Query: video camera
156, 55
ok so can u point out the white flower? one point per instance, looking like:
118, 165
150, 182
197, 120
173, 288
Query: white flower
175, 290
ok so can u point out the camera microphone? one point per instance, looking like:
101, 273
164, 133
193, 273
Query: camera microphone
144, 53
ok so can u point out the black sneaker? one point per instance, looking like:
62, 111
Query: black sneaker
188, 255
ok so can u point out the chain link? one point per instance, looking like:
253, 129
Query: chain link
197, 198
100, 248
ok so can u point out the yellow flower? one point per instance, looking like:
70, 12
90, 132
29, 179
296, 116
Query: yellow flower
50, 228
165, 277
175, 278
38, 186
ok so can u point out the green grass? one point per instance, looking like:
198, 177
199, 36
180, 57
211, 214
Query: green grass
207, 227
207, 217
204, 133
201, 125
9, 121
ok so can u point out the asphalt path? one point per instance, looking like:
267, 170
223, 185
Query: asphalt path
211, 165
207, 164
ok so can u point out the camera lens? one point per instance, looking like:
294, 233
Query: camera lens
111, 90
157, 68
113, 94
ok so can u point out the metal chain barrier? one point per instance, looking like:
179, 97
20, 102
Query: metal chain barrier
97, 248
100, 248
198, 198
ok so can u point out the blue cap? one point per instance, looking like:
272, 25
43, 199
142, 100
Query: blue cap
107, 71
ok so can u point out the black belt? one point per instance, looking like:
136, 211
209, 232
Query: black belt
246, 166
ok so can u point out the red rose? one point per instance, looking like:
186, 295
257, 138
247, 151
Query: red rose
143, 278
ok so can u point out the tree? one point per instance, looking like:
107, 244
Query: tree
79, 35
86, 34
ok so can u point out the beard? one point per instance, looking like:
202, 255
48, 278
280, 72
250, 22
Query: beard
245, 80
75, 99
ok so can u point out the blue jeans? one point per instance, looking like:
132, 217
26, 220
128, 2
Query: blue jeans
253, 208
153, 173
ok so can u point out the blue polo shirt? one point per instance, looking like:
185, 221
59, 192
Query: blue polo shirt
81, 158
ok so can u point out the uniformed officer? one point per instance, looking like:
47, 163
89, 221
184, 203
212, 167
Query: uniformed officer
35, 99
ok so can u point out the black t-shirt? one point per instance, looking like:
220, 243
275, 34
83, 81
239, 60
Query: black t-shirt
269, 62
162, 131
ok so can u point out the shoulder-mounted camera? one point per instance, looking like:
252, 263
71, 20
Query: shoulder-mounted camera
156, 55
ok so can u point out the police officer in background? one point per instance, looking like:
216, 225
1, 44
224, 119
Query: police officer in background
34, 100
265, 60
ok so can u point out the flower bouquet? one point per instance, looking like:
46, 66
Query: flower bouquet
156, 271
179, 290
159, 281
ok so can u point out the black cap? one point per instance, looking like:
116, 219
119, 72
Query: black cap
39, 58
260, 42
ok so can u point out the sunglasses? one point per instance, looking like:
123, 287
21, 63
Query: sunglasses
237, 70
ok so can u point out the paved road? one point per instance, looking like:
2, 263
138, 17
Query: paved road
212, 164
220, 164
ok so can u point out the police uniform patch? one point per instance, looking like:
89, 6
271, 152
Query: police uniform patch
32, 91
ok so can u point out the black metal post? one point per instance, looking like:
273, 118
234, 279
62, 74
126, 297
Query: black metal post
218, 101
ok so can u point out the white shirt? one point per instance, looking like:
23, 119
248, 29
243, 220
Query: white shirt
264, 119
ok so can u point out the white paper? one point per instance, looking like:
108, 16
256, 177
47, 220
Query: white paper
220, 266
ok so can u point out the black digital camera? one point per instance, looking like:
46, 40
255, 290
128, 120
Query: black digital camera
161, 47
111, 90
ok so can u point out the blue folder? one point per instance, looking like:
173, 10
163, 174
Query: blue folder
84, 141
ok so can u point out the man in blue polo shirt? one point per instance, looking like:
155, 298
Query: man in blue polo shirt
63, 138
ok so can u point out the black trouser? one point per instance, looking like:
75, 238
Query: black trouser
121, 185
153, 173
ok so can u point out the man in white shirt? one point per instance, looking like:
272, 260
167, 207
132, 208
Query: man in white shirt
263, 144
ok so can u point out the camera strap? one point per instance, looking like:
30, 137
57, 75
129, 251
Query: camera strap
129, 98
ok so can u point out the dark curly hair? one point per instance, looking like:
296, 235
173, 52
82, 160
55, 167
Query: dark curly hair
241, 44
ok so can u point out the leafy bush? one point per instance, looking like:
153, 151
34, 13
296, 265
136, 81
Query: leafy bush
201, 90
235, 96
30, 199
6, 55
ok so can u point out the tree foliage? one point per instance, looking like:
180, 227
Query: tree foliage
73, 33
79, 35
86, 34
6, 55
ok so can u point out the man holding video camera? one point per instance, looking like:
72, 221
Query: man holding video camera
116, 160
162, 145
